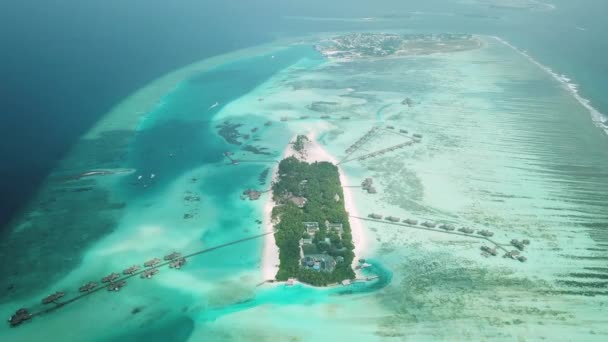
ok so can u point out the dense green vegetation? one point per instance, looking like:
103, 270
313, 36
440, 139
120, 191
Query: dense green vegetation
299, 144
319, 182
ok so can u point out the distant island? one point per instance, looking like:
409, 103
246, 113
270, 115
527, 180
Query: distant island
312, 230
374, 45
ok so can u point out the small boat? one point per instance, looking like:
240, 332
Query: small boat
152, 175
214, 105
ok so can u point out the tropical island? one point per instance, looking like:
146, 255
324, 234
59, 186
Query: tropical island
312, 230
374, 45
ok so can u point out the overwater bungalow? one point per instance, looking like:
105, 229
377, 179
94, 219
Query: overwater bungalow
172, 256
491, 251
392, 219
375, 216
149, 273
525, 241
485, 233
268, 123
53, 298
87, 287
466, 230
518, 244
325, 116
429, 224
404, 131
117, 285
131, 269
19, 317
110, 277
410, 222
153, 262
177, 264
417, 136
522, 258
447, 227
512, 254
345, 117
390, 127
303, 117
284, 118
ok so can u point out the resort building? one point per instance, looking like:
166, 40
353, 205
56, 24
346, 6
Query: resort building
335, 227
319, 262
311, 227
305, 242
299, 201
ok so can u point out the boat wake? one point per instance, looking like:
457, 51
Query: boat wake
600, 119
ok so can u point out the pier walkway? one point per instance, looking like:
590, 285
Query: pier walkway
360, 142
498, 245
125, 277
378, 152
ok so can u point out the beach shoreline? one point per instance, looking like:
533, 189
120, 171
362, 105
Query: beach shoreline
313, 152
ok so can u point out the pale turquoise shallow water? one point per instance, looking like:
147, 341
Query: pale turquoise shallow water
545, 139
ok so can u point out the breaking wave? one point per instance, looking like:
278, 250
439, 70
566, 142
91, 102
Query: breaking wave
598, 118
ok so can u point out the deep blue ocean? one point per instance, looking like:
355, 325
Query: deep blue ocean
65, 63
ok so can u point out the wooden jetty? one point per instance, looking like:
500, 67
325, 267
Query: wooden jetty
432, 229
378, 152
23, 314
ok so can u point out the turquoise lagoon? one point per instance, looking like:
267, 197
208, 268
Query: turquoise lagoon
505, 147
